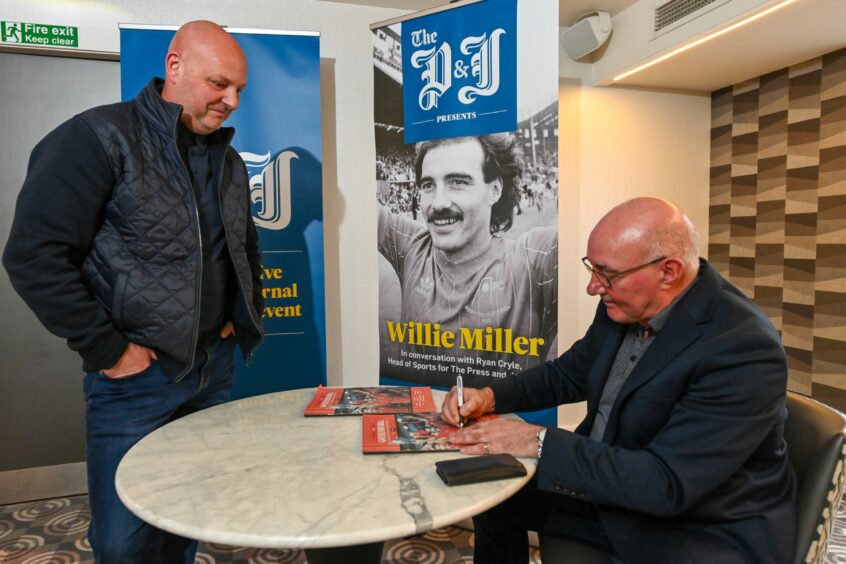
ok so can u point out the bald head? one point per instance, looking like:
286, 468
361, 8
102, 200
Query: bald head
205, 72
642, 255
200, 36
650, 228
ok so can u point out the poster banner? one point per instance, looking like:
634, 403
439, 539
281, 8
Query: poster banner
278, 135
462, 72
466, 123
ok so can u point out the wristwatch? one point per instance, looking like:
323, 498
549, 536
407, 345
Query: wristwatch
539, 436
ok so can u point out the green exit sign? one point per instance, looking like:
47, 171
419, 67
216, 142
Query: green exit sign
44, 35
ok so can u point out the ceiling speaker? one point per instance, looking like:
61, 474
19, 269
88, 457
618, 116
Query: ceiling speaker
587, 35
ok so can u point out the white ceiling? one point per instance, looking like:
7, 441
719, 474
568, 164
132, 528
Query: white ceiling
796, 33
568, 10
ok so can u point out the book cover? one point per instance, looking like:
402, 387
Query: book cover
407, 432
374, 399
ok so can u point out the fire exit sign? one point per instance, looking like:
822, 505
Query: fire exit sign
43, 35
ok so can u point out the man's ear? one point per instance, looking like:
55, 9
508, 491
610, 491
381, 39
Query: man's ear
173, 66
672, 271
495, 191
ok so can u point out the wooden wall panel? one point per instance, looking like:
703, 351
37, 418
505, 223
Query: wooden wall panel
778, 211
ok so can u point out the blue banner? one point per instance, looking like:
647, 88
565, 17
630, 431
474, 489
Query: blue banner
279, 137
466, 130
460, 73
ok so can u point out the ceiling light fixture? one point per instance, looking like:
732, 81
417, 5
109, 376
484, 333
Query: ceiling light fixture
702, 40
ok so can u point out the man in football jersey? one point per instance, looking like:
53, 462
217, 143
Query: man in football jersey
456, 271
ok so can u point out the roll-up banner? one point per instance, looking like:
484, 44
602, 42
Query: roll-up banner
278, 136
466, 120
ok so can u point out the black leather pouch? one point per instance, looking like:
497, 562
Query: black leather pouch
479, 469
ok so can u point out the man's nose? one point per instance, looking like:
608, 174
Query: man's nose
440, 199
231, 97
594, 287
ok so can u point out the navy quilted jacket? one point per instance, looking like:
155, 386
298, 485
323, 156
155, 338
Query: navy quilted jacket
105, 244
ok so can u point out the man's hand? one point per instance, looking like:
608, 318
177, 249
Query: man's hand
500, 435
227, 330
135, 359
477, 402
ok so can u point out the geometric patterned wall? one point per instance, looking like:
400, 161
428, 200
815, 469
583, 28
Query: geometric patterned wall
778, 211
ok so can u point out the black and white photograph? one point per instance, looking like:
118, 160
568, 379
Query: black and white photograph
467, 235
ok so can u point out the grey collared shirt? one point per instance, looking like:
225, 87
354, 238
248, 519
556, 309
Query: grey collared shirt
637, 340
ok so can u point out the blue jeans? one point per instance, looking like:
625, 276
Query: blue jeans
119, 413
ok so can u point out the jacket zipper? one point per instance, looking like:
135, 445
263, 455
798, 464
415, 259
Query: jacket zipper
198, 291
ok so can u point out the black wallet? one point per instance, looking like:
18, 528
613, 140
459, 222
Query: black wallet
479, 469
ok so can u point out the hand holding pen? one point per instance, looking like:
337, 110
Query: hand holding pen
474, 402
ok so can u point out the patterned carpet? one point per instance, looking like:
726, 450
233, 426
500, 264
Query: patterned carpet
53, 532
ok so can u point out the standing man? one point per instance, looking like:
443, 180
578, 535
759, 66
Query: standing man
456, 270
681, 457
133, 240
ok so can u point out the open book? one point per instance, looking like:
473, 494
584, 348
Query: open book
375, 399
407, 432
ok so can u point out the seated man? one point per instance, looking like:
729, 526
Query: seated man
681, 457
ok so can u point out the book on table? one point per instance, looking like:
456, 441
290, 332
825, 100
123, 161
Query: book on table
407, 432
373, 399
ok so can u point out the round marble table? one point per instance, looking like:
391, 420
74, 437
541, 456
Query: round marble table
257, 473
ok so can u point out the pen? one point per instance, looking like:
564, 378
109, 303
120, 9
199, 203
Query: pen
459, 386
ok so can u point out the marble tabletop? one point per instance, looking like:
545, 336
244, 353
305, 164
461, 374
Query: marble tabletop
256, 472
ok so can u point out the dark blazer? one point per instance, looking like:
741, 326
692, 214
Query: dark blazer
693, 465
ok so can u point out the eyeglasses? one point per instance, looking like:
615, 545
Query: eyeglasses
605, 279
